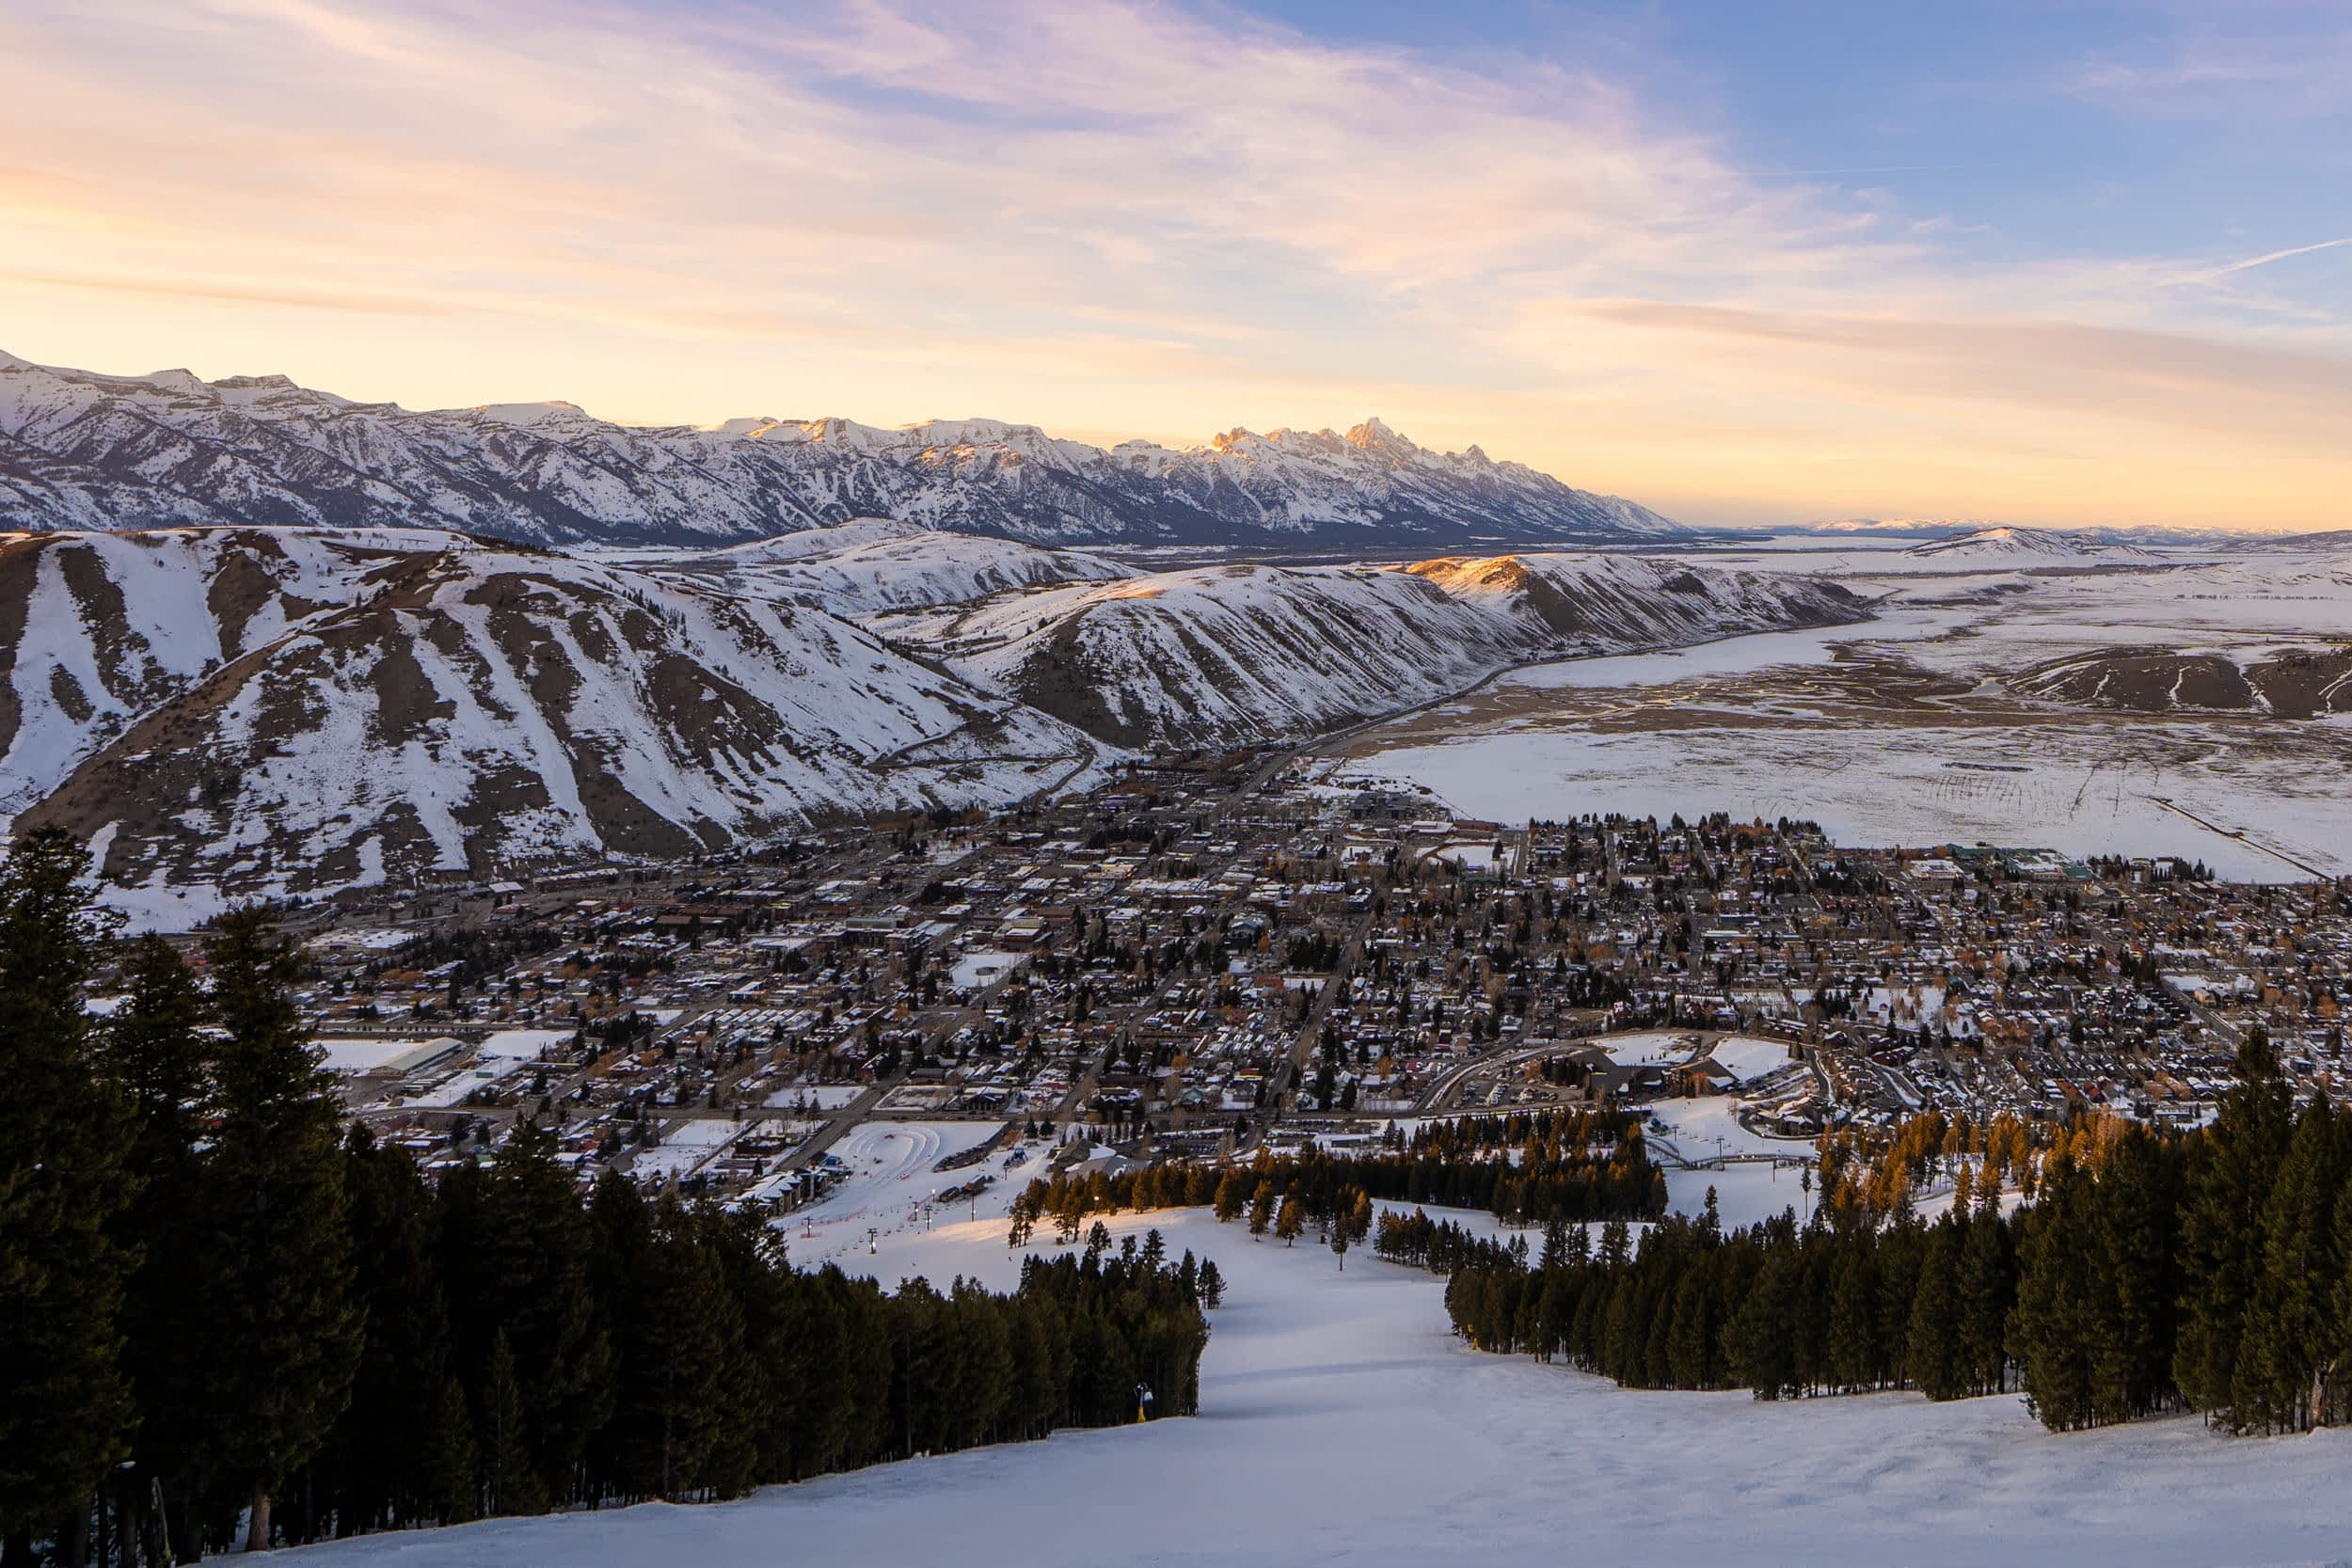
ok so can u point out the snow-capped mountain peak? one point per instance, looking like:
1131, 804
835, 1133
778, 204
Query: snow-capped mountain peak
81, 450
529, 413
1372, 435
2045, 546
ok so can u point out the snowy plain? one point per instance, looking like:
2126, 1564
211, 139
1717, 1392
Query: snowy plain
1901, 730
1342, 1424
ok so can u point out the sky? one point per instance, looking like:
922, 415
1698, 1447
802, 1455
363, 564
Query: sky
2057, 262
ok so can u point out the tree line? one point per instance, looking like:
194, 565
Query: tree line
1525, 1167
2210, 1271
220, 1305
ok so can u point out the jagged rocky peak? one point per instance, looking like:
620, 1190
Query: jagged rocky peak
1372, 435
90, 451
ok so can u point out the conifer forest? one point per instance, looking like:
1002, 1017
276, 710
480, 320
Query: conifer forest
228, 1318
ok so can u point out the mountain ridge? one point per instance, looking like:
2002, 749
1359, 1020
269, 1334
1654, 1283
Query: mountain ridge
83, 450
272, 711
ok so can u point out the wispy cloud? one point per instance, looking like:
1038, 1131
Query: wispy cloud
1093, 216
2268, 257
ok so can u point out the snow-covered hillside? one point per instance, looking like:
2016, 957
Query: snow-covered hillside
99, 628
871, 564
2026, 546
424, 703
1342, 1424
1231, 654
81, 450
293, 710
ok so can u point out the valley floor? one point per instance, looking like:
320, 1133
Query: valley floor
1344, 1425
1918, 728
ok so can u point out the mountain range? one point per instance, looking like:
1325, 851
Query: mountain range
80, 450
224, 712
2029, 546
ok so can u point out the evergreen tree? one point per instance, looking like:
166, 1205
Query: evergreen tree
675, 1328
2134, 1240
65, 1173
162, 1059
510, 1482
2287, 1359
1936, 1358
2222, 1241
2051, 1330
389, 1461
521, 1245
1854, 1354
1988, 1286
282, 1326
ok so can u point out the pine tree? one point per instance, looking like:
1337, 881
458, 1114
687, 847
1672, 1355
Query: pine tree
388, 1461
674, 1327
510, 1481
283, 1329
1936, 1356
156, 1043
520, 1245
2135, 1237
1760, 1341
64, 1176
2287, 1358
1854, 1343
2221, 1230
1988, 1289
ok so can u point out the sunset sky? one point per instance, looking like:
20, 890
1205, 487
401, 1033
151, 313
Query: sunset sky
2043, 262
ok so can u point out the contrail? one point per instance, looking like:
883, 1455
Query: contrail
2276, 256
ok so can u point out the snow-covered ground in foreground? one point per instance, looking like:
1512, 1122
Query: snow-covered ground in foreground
1342, 1424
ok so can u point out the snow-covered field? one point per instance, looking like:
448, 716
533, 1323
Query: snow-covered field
1342, 1424
1661, 1047
1749, 1189
890, 1180
815, 1097
1903, 730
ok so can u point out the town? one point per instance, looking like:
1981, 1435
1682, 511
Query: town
1215, 953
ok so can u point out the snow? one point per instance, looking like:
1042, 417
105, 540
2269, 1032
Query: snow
686, 1147
979, 969
522, 1045
1746, 1056
1749, 1183
1902, 730
2025, 543
1661, 1049
869, 565
889, 1179
355, 1057
264, 446
1342, 1424
820, 1097
463, 726
1233, 652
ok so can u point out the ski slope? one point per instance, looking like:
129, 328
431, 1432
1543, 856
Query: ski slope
1344, 1425
888, 1182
